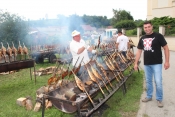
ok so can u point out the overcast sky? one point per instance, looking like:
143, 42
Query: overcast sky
36, 9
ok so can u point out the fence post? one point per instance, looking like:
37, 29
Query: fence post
162, 30
139, 32
123, 31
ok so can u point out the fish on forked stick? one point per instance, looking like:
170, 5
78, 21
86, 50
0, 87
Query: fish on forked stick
110, 63
9, 52
93, 78
25, 51
104, 72
94, 71
124, 61
116, 64
3, 51
112, 69
81, 86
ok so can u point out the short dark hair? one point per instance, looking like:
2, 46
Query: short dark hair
147, 22
120, 31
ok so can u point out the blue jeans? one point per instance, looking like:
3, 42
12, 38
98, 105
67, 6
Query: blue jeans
156, 71
124, 53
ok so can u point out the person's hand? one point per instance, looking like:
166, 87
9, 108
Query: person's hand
86, 46
166, 65
94, 51
135, 67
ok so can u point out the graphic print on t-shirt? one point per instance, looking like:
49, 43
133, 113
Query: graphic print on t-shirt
147, 42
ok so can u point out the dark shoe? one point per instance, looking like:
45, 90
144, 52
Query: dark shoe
146, 99
159, 104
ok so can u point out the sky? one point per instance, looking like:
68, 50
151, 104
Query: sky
38, 9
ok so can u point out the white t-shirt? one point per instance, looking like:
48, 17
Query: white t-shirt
123, 43
74, 46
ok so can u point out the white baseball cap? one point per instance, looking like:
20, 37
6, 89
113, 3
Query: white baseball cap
74, 33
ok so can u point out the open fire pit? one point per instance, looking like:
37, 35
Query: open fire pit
86, 96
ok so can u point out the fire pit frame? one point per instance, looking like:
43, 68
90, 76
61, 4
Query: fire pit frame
16, 65
81, 113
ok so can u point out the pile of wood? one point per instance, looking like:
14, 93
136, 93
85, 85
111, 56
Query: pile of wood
44, 90
5, 73
25, 102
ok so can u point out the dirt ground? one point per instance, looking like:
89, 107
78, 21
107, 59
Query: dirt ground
151, 109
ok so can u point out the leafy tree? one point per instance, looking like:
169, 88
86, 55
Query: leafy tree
127, 24
166, 21
12, 28
96, 21
120, 15
139, 23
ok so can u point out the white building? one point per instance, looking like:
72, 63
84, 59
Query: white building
110, 32
160, 8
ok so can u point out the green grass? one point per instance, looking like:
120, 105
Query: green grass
126, 105
16, 85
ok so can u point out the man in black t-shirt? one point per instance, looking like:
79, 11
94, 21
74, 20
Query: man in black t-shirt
151, 44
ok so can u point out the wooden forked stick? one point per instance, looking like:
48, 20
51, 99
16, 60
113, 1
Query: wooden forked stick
112, 69
123, 61
98, 76
103, 71
110, 62
93, 78
109, 59
81, 86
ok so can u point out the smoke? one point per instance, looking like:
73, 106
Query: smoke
52, 31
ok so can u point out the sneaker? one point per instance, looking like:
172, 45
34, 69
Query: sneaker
159, 104
146, 99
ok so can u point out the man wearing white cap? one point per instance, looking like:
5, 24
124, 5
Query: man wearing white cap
79, 49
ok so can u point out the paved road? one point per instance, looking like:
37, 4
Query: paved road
150, 109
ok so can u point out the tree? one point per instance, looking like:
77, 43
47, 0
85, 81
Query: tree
12, 28
120, 15
96, 21
127, 24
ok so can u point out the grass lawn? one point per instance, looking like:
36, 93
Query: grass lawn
16, 85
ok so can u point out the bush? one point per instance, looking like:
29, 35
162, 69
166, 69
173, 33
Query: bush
131, 32
127, 24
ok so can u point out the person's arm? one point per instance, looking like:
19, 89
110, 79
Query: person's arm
117, 45
138, 54
90, 49
167, 56
128, 44
80, 50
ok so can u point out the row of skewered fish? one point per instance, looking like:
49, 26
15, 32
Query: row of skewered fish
110, 62
105, 46
98, 76
12, 52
